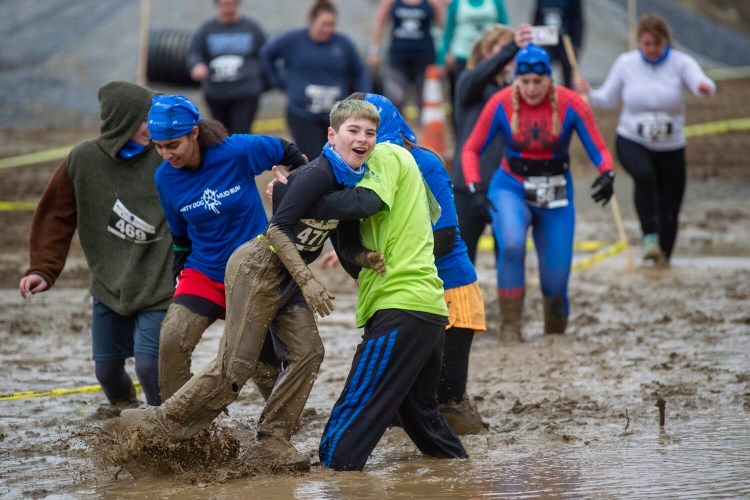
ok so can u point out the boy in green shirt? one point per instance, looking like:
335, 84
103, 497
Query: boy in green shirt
396, 368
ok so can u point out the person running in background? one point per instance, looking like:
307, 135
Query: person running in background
207, 188
105, 190
268, 283
650, 144
567, 17
411, 48
462, 294
224, 58
488, 70
466, 21
533, 186
315, 66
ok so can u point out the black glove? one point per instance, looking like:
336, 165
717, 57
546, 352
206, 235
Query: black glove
604, 186
479, 204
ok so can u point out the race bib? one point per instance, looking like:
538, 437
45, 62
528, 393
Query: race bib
310, 234
655, 126
226, 68
128, 226
546, 192
321, 98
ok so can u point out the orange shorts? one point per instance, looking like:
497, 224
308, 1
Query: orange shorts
465, 307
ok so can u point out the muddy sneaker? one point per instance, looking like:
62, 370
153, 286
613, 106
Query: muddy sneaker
276, 454
463, 417
652, 249
149, 420
112, 410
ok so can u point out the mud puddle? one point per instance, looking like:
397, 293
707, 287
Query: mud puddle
568, 416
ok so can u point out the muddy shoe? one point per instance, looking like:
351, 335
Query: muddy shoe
652, 249
276, 454
148, 420
463, 417
112, 410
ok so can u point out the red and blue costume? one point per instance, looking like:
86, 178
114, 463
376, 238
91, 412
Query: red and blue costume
534, 142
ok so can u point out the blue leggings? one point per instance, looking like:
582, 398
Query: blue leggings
552, 231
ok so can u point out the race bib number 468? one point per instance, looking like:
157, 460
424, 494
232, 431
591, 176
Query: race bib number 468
128, 226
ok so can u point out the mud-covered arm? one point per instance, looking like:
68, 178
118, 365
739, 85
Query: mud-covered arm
52, 228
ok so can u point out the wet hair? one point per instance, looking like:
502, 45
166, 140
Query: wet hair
319, 7
489, 38
353, 108
655, 25
515, 126
211, 132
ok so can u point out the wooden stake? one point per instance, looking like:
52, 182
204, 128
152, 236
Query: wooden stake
141, 73
570, 51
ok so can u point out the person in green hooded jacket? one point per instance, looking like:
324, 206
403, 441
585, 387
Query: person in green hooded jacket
105, 189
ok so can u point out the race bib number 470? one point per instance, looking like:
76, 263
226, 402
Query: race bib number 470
128, 226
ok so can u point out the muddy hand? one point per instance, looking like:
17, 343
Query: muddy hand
376, 262
317, 297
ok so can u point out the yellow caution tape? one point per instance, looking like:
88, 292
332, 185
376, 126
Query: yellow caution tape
718, 127
53, 392
16, 206
35, 158
487, 244
607, 252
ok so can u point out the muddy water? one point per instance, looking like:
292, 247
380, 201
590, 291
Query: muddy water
568, 416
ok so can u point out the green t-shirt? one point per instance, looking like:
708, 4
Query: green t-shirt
402, 231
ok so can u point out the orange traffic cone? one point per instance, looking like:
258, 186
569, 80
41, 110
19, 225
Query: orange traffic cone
433, 116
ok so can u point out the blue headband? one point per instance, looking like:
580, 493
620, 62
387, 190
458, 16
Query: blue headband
171, 116
392, 124
532, 59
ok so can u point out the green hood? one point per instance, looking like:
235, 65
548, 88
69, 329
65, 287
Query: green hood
124, 106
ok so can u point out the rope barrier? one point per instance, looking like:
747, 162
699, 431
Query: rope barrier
54, 392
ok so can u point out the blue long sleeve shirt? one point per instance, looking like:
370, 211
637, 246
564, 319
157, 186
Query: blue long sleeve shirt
314, 75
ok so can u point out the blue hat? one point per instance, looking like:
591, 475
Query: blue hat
171, 116
392, 124
533, 59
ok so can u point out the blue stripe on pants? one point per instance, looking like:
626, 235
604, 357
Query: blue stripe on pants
358, 395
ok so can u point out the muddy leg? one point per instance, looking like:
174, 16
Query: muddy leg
555, 319
299, 334
252, 302
511, 315
180, 333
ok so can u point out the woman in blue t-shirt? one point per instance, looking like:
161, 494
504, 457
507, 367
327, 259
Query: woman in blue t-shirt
315, 66
207, 189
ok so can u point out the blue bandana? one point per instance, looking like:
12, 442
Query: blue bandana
656, 61
130, 150
392, 125
341, 170
532, 59
171, 116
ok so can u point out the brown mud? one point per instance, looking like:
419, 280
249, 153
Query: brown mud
569, 415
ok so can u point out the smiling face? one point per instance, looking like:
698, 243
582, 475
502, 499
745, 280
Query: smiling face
182, 151
354, 140
142, 135
533, 88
